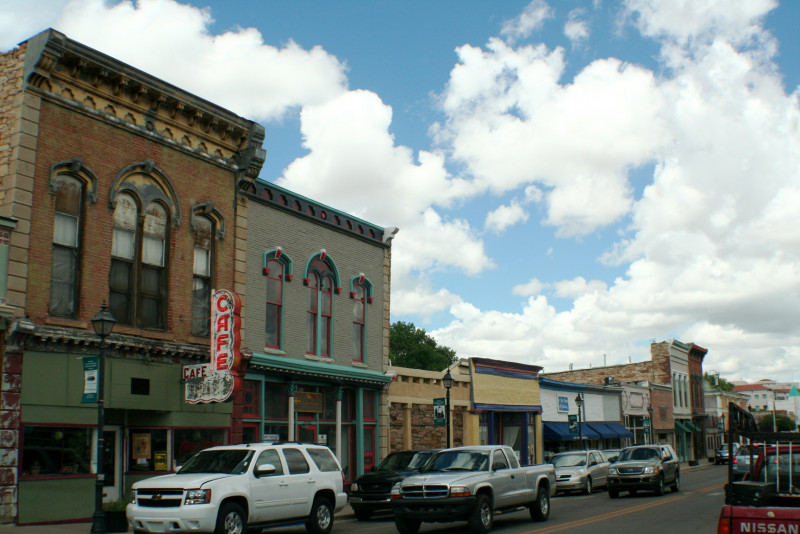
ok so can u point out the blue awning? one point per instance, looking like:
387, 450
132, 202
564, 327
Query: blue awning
621, 431
557, 431
603, 429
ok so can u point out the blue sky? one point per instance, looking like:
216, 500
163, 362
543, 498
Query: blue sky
572, 180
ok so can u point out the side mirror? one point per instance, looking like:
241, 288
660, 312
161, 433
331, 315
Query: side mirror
265, 470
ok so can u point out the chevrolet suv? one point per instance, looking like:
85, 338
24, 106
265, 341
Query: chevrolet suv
644, 467
233, 488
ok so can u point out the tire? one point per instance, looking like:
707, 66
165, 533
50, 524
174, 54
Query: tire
320, 520
482, 517
660, 486
231, 519
540, 508
362, 515
407, 526
676, 484
587, 486
612, 493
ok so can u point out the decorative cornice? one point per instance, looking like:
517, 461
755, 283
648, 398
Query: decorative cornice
65, 70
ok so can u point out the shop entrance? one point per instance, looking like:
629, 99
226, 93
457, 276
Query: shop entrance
112, 463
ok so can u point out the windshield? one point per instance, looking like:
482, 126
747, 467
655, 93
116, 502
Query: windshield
638, 454
396, 461
782, 470
458, 461
419, 459
229, 462
569, 460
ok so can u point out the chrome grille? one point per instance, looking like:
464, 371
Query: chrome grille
631, 470
425, 491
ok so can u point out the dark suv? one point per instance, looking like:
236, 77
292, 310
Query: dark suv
644, 467
370, 492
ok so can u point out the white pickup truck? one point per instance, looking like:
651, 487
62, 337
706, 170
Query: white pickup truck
233, 488
472, 484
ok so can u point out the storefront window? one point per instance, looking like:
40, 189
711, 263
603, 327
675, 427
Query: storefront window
56, 450
147, 449
187, 441
484, 428
329, 404
277, 400
369, 405
250, 395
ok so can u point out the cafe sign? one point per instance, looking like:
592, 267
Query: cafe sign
215, 381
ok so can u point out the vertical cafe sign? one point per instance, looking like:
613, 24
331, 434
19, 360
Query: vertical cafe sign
215, 381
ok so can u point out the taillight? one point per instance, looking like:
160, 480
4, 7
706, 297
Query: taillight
734, 460
724, 525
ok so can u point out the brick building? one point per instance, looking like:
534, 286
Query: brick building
669, 374
119, 188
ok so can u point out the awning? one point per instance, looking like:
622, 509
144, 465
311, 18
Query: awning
559, 431
620, 430
602, 429
680, 427
690, 427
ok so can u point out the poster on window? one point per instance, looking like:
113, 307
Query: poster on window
141, 446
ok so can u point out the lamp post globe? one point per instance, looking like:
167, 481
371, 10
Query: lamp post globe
447, 382
103, 323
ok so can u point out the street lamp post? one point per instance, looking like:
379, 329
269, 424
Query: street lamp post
103, 323
579, 403
652, 430
447, 381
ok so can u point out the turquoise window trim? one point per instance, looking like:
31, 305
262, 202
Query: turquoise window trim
284, 258
337, 284
365, 283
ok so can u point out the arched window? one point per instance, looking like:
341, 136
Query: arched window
137, 285
277, 269
201, 275
321, 279
65, 266
361, 294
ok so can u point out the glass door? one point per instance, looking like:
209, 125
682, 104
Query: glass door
112, 463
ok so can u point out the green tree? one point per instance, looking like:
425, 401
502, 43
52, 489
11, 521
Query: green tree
783, 423
412, 347
718, 381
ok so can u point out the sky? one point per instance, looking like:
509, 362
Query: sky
572, 180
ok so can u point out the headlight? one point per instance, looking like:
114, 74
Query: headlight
395, 493
581, 472
460, 491
133, 497
354, 487
651, 470
198, 496
612, 471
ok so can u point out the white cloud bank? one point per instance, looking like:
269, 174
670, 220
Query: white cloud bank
712, 252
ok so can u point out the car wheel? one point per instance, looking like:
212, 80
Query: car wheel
613, 493
676, 485
481, 518
407, 526
587, 486
320, 520
231, 519
660, 486
362, 515
540, 508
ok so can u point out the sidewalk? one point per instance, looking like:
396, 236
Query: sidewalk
85, 528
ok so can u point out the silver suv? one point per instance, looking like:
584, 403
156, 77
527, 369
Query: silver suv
233, 488
644, 467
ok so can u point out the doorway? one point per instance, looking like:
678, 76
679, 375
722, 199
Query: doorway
112, 463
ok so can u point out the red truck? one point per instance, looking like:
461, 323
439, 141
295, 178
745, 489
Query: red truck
767, 499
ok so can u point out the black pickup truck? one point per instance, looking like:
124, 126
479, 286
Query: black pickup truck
370, 492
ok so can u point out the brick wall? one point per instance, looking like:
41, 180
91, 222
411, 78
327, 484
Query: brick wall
424, 434
656, 371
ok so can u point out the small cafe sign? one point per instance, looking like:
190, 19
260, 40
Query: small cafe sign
214, 381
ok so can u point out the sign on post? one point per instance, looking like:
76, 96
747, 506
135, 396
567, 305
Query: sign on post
439, 415
90, 367
573, 424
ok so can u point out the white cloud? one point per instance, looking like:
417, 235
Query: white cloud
578, 286
532, 18
576, 29
172, 41
504, 216
532, 287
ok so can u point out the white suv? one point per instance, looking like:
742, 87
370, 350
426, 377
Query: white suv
233, 488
